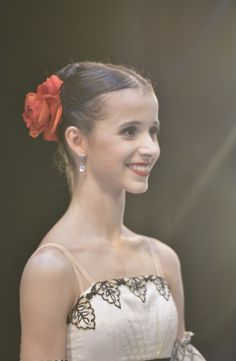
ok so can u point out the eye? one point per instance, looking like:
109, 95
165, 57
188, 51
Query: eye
154, 130
130, 131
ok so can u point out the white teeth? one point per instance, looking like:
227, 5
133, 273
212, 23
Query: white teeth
139, 167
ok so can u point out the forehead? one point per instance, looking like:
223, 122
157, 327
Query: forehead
135, 104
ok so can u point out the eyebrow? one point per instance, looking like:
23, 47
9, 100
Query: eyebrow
137, 122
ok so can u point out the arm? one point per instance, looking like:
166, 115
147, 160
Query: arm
182, 349
46, 297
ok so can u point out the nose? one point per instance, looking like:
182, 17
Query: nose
149, 148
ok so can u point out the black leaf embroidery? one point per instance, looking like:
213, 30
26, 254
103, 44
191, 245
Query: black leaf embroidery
109, 291
137, 285
161, 286
82, 315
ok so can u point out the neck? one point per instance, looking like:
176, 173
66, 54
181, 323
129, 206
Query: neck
96, 214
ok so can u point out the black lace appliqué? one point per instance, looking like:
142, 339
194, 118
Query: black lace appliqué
184, 351
137, 285
162, 286
82, 315
108, 290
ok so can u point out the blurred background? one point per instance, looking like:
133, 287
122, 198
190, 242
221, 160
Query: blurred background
188, 49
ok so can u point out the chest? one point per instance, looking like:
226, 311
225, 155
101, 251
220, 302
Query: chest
112, 262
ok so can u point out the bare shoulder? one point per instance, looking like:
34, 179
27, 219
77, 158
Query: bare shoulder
48, 267
165, 252
167, 256
46, 298
48, 260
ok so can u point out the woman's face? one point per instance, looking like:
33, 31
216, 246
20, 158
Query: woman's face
123, 146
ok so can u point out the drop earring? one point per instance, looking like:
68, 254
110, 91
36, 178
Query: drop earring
82, 162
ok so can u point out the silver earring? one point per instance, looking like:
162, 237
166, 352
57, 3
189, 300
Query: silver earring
82, 162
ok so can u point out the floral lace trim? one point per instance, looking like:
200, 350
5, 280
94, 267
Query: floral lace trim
183, 350
82, 315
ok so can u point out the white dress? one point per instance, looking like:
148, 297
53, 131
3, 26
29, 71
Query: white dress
125, 319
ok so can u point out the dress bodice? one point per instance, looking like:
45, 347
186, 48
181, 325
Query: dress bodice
125, 319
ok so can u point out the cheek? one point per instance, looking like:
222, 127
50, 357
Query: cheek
113, 157
110, 153
103, 156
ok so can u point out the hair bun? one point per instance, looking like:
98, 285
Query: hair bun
68, 71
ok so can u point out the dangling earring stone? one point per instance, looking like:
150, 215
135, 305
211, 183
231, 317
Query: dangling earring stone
82, 162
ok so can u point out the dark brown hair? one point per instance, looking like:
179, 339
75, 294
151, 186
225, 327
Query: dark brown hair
82, 94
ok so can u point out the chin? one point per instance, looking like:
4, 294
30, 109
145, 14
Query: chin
142, 188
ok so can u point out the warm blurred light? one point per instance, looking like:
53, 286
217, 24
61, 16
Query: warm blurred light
202, 181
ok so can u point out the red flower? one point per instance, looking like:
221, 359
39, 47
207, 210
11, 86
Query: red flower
43, 110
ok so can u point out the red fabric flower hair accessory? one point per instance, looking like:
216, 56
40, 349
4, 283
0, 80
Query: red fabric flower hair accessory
43, 110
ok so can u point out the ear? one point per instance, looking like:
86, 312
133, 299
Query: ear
76, 140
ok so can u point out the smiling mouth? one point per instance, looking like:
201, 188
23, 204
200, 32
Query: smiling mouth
142, 170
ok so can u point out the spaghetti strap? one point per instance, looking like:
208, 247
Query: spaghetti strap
156, 260
70, 258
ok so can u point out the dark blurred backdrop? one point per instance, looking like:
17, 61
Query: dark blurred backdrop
188, 48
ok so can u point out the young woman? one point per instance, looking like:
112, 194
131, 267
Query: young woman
94, 290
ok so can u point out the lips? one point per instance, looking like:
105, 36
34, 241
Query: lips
141, 169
